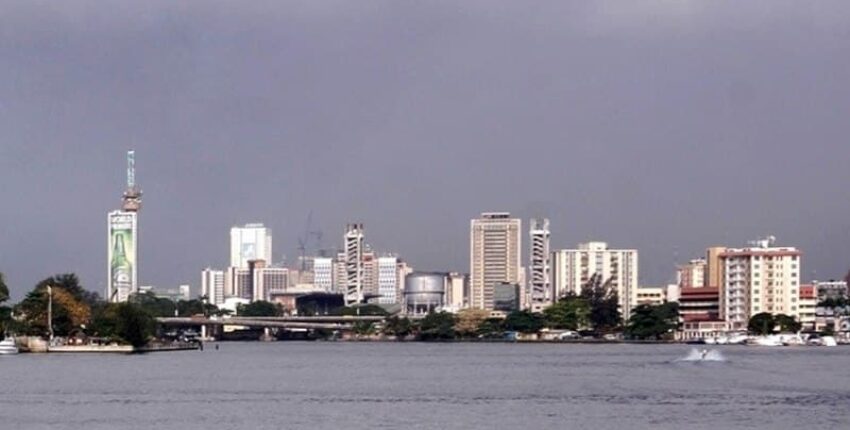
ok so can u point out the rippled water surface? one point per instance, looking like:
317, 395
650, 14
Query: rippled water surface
428, 386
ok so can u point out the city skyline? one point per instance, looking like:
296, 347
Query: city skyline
631, 138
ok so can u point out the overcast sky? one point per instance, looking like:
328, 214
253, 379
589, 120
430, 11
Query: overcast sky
665, 126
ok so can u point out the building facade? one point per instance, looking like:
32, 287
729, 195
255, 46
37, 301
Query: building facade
618, 268
323, 273
212, 286
495, 243
540, 287
760, 278
388, 280
693, 274
250, 242
353, 240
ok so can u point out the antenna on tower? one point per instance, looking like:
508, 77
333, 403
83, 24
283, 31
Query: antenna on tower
131, 170
133, 195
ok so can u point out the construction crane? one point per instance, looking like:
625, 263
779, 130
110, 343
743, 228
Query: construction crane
305, 239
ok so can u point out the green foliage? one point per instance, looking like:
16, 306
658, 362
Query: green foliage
437, 326
363, 328
188, 308
653, 322
761, 324
157, 306
604, 304
123, 322
71, 306
787, 324
523, 322
399, 327
4, 289
569, 313
259, 308
5, 319
491, 328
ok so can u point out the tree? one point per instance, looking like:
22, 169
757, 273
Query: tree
188, 308
604, 304
260, 308
523, 322
787, 324
467, 322
399, 327
4, 290
71, 306
437, 326
491, 328
653, 322
133, 324
569, 313
363, 328
761, 324
156, 306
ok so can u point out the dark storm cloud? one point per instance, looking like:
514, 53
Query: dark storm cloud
667, 126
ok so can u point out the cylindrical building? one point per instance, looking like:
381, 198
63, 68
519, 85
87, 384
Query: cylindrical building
423, 292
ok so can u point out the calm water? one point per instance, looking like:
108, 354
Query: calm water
428, 386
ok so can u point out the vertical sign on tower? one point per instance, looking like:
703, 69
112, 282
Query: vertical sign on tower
122, 255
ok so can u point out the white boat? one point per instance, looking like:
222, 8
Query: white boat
8, 347
771, 340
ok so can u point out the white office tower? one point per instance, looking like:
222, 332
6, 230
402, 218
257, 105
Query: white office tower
693, 274
759, 278
456, 291
250, 242
540, 291
323, 273
212, 286
353, 250
495, 243
618, 268
388, 280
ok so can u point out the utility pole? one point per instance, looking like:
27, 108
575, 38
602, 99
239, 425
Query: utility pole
50, 312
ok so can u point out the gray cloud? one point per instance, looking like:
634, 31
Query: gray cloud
666, 126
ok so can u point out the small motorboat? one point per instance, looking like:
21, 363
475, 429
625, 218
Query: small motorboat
8, 347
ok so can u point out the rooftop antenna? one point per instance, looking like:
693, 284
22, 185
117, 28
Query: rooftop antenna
133, 195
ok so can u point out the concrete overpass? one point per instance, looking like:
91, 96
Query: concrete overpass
342, 323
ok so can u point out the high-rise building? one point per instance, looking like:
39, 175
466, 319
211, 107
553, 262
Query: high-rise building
268, 281
617, 268
353, 250
540, 291
388, 280
692, 274
123, 240
237, 283
760, 278
323, 273
495, 243
714, 276
369, 281
212, 286
456, 291
250, 242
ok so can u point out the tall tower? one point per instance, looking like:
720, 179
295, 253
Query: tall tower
494, 255
353, 264
123, 232
540, 287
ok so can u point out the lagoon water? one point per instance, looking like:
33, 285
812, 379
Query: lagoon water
293, 385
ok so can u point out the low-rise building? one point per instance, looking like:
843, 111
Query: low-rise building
806, 307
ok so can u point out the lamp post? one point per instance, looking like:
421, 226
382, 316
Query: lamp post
50, 312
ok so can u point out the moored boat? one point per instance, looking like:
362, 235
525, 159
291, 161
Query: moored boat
8, 347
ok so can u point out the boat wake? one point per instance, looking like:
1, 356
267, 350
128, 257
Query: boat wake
703, 355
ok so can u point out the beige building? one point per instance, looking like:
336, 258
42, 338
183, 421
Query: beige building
572, 268
714, 267
692, 274
494, 245
653, 296
761, 278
